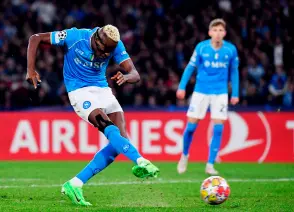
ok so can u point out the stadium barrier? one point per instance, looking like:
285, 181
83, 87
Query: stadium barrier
248, 136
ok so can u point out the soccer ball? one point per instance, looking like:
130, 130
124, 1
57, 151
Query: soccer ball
215, 190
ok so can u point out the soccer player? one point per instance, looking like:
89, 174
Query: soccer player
217, 63
87, 54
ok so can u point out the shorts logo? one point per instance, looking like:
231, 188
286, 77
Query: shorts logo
86, 104
191, 109
126, 148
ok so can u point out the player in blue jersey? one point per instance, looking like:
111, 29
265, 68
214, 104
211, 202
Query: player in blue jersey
87, 54
217, 63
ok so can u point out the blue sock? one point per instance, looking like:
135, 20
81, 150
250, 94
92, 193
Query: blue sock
188, 136
121, 144
101, 160
216, 142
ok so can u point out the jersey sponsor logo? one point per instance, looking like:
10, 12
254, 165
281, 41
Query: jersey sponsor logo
95, 65
206, 63
123, 53
213, 64
86, 104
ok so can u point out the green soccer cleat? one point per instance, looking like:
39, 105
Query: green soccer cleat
145, 169
75, 194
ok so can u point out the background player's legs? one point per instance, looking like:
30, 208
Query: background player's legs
188, 134
196, 112
214, 145
219, 115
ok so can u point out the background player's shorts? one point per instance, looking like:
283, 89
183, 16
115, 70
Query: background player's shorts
200, 103
85, 100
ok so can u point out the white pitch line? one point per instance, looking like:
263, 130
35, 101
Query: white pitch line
19, 179
155, 181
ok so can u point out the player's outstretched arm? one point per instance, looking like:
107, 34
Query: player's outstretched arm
190, 68
34, 41
184, 80
234, 76
132, 75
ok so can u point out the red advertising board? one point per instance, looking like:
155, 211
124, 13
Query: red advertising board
248, 137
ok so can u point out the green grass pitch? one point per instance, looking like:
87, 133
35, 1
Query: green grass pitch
35, 186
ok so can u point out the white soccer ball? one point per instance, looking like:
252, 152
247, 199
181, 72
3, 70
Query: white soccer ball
215, 190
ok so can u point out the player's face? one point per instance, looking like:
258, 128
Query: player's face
217, 33
102, 45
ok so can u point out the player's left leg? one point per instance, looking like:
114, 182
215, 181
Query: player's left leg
144, 167
219, 110
104, 157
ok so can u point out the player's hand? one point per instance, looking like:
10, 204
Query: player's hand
181, 94
33, 77
120, 78
234, 100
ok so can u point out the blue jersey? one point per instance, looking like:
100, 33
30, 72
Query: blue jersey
81, 68
215, 68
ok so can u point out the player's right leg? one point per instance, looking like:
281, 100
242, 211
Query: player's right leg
197, 110
219, 113
143, 168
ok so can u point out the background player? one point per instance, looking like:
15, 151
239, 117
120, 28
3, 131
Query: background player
217, 64
87, 54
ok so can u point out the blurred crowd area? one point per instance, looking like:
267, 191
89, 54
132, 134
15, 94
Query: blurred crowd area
160, 37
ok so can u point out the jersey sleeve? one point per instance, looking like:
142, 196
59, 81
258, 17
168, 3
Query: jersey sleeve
234, 62
65, 37
120, 54
196, 58
234, 72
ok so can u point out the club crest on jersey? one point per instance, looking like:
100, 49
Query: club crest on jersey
216, 56
86, 104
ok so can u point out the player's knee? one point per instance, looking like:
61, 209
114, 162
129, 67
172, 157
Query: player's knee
102, 123
218, 129
191, 127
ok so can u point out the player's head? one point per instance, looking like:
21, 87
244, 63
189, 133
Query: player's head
105, 40
217, 30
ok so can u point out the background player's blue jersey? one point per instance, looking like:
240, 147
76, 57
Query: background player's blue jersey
81, 68
214, 69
